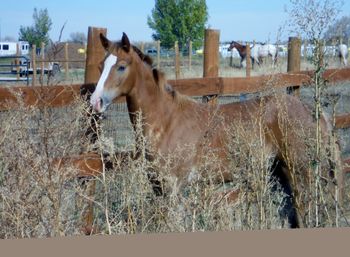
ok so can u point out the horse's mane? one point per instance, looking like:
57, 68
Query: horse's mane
144, 57
235, 42
160, 79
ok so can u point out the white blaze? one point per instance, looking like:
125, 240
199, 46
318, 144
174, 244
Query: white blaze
96, 96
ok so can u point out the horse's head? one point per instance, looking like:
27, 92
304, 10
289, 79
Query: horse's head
118, 74
232, 45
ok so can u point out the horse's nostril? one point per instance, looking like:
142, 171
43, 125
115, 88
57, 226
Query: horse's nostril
97, 104
101, 102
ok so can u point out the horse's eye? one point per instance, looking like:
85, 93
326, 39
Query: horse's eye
100, 67
121, 68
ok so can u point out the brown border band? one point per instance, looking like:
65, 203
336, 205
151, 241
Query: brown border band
302, 242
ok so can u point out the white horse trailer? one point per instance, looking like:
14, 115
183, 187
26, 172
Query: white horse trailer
10, 48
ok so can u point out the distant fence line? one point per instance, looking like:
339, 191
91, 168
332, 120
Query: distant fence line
163, 57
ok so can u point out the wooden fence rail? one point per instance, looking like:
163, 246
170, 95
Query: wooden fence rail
61, 95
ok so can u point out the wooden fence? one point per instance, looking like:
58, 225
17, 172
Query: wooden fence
64, 95
210, 85
41, 62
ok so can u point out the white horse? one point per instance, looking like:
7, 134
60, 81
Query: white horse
259, 51
343, 54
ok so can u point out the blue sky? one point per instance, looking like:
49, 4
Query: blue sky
236, 19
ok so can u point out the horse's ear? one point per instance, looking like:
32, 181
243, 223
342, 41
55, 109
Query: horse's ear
104, 41
125, 42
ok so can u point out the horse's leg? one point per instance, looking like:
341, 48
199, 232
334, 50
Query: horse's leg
153, 177
298, 174
298, 208
256, 60
293, 154
345, 61
275, 59
341, 60
293, 176
290, 210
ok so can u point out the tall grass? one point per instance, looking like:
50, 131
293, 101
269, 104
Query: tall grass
40, 199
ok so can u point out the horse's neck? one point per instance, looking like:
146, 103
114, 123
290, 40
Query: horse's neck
241, 50
147, 99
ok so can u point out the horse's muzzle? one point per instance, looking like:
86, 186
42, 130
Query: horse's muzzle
97, 104
100, 104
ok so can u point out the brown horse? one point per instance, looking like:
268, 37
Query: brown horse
242, 50
172, 121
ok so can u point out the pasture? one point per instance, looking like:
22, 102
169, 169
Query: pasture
48, 142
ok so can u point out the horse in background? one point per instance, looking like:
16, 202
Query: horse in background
343, 54
242, 51
260, 51
257, 52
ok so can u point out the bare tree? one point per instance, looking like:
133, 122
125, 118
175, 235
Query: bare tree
310, 19
78, 37
339, 29
9, 38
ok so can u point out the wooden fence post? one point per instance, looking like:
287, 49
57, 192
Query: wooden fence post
95, 54
66, 59
34, 64
211, 59
177, 61
294, 51
42, 53
158, 54
190, 55
211, 53
231, 58
17, 62
248, 60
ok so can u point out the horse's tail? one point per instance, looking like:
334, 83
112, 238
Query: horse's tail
346, 56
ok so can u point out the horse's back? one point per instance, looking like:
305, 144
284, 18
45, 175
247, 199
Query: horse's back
277, 113
269, 106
